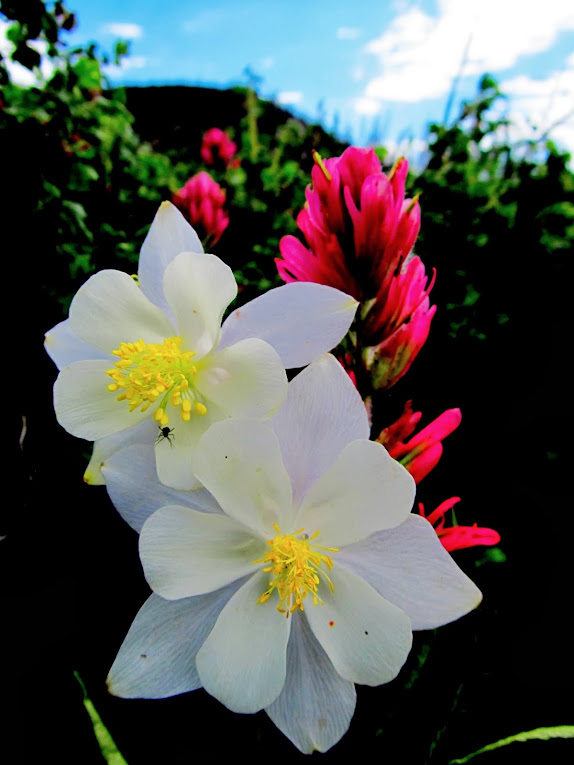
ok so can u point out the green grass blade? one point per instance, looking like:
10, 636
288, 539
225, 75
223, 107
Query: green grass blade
110, 752
538, 734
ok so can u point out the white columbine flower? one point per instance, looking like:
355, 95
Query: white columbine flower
152, 363
310, 580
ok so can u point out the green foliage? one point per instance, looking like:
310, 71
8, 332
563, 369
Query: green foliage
491, 209
92, 186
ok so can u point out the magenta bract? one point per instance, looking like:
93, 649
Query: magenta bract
217, 146
360, 231
201, 201
458, 537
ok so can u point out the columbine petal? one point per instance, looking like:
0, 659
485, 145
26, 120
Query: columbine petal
136, 491
145, 433
408, 566
316, 705
198, 289
300, 320
322, 414
169, 235
365, 491
84, 405
185, 552
175, 458
64, 347
245, 380
243, 661
239, 462
157, 657
366, 637
110, 308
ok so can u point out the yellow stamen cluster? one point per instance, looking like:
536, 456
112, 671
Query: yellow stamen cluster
296, 565
145, 373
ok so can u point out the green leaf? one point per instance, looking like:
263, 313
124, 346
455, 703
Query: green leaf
110, 752
88, 73
538, 734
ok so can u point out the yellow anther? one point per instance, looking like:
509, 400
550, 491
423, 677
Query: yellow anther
149, 372
296, 565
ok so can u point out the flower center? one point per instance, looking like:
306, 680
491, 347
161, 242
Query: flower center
296, 565
146, 372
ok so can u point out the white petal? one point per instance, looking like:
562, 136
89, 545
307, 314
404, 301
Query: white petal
300, 320
169, 235
157, 657
84, 405
239, 462
409, 567
198, 289
185, 552
143, 433
365, 491
244, 380
316, 705
110, 308
175, 456
137, 492
64, 348
242, 662
367, 638
322, 414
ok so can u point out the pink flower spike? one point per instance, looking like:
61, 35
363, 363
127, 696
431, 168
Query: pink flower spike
421, 453
458, 537
421, 464
437, 430
401, 429
391, 359
201, 202
217, 146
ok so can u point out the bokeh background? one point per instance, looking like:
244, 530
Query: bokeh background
95, 136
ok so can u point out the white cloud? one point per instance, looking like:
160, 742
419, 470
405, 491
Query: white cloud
368, 106
289, 97
348, 33
126, 63
542, 107
358, 73
414, 149
268, 63
420, 54
21, 75
125, 31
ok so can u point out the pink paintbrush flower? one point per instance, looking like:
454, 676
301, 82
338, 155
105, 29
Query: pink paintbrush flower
216, 146
201, 201
420, 453
360, 231
458, 537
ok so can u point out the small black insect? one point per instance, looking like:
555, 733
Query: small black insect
165, 432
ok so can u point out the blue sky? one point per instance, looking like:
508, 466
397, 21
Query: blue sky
364, 66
